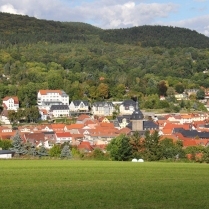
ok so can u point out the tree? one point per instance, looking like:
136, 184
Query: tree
152, 148
169, 149
65, 153
200, 94
12, 116
179, 88
120, 149
162, 88
5, 144
18, 145
103, 90
55, 151
42, 151
136, 144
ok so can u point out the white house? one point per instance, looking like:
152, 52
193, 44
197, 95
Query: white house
79, 106
103, 108
63, 137
59, 111
127, 107
47, 98
10, 103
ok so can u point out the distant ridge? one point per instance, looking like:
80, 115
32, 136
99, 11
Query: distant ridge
24, 29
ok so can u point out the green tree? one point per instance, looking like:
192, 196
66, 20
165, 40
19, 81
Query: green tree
55, 151
136, 144
120, 148
151, 145
179, 88
169, 149
5, 144
42, 151
65, 153
200, 94
103, 90
18, 145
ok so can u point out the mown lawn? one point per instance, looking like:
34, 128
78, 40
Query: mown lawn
50, 184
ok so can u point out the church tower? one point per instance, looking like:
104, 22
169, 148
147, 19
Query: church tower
137, 119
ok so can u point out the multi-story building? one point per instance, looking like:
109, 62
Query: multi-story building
10, 103
103, 108
79, 106
127, 107
47, 98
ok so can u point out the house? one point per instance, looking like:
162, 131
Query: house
63, 137
6, 154
4, 117
10, 103
103, 108
59, 111
43, 113
47, 98
79, 106
127, 107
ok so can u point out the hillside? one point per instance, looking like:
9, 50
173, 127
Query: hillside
142, 61
23, 29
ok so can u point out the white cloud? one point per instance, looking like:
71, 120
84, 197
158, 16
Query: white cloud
9, 8
200, 24
105, 13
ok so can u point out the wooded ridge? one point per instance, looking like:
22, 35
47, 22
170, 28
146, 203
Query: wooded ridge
90, 63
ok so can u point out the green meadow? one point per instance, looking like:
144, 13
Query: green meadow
57, 184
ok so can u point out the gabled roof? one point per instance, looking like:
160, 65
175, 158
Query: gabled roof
129, 102
85, 146
15, 98
82, 117
78, 102
34, 137
59, 107
58, 126
74, 126
124, 131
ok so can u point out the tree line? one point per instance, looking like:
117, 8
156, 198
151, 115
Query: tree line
148, 147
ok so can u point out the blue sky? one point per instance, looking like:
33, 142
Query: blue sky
192, 14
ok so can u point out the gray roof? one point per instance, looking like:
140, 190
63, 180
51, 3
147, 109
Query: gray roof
137, 115
78, 102
120, 118
2, 152
59, 107
129, 102
192, 133
150, 125
103, 104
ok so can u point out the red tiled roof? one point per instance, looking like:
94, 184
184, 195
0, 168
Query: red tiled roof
15, 98
74, 126
64, 134
85, 146
188, 143
44, 92
82, 117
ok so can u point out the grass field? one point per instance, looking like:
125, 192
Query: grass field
50, 184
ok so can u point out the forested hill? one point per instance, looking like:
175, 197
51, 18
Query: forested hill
23, 29
150, 36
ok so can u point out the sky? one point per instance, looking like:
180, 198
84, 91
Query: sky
110, 14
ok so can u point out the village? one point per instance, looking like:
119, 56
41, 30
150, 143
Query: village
93, 127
